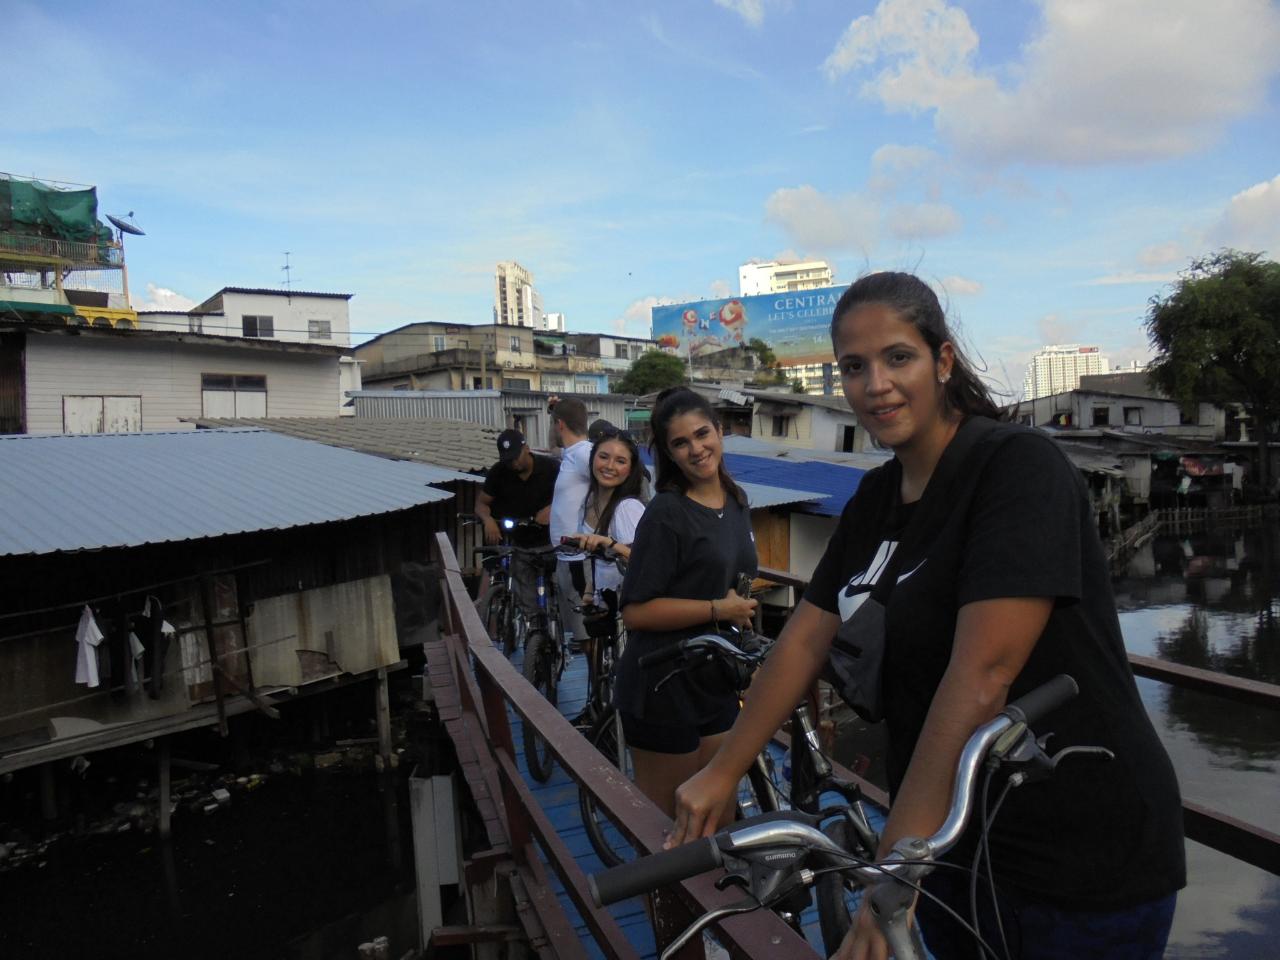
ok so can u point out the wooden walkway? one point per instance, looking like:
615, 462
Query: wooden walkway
536, 841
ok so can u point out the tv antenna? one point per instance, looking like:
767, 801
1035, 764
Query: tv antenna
288, 275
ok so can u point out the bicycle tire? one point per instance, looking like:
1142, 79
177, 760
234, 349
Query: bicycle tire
834, 917
538, 670
604, 737
497, 618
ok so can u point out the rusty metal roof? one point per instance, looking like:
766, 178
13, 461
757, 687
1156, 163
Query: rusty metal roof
97, 491
456, 444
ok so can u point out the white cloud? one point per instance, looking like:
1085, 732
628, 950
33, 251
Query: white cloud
1252, 219
961, 286
894, 166
908, 221
1122, 279
636, 319
853, 221
751, 11
1161, 254
720, 289
162, 298
1100, 82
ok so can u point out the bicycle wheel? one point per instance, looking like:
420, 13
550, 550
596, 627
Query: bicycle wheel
539, 670
834, 914
610, 846
497, 618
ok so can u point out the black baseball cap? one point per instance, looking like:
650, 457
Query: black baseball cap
510, 443
597, 429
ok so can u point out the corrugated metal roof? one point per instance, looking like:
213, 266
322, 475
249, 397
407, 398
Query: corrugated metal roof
456, 444
88, 492
834, 482
763, 495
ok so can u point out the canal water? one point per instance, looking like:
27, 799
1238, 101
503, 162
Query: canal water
1210, 598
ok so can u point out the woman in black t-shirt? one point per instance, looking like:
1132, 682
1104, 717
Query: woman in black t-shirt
692, 543
1001, 585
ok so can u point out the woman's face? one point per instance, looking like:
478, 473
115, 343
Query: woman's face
611, 464
890, 378
694, 443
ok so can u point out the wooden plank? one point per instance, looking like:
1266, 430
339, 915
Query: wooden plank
1255, 693
760, 934
604, 928
1235, 838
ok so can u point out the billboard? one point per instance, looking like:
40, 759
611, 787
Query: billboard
796, 325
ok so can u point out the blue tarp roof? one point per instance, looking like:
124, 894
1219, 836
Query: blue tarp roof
836, 482
819, 487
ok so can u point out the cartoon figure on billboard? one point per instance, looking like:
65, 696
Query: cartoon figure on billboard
690, 320
669, 343
733, 317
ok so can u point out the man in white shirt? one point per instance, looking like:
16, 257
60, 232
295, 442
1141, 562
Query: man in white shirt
569, 424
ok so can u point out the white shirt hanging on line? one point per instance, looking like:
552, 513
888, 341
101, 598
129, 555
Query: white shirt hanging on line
88, 636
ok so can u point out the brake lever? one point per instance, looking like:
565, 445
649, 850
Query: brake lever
704, 921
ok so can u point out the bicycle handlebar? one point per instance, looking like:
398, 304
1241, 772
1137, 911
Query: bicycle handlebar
797, 830
706, 643
656, 870
1033, 705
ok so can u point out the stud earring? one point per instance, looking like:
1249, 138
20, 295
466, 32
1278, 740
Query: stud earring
943, 380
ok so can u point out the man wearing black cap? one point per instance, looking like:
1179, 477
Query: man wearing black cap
519, 487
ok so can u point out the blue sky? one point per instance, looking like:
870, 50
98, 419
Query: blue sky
1048, 165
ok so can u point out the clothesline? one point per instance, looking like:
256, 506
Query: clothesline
149, 588
199, 664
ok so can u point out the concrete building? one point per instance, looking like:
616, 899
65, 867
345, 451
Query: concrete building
806, 422
553, 323
773, 277
459, 356
818, 379
516, 302
1058, 369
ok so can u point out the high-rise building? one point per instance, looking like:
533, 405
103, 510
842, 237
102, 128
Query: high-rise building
515, 301
774, 277
552, 323
1058, 369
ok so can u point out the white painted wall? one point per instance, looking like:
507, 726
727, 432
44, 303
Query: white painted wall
290, 316
167, 377
809, 536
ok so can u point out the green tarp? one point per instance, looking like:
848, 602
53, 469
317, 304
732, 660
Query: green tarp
31, 207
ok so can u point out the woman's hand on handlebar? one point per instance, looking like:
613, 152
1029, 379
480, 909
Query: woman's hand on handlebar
700, 801
864, 941
591, 542
739, 611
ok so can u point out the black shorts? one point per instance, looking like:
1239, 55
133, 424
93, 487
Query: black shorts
684, 738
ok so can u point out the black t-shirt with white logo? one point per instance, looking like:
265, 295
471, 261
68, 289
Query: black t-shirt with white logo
1099, 834
517, 499
687, 551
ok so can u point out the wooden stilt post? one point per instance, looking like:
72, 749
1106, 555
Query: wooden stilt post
166, 802
384, 716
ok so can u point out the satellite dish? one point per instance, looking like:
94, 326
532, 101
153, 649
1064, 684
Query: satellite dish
124, 225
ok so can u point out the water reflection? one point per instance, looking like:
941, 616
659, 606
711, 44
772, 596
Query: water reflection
1208, 599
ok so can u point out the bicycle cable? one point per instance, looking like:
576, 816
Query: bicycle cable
883, 865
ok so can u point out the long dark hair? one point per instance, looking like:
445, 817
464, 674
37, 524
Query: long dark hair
672, 403
915, 301
633, 486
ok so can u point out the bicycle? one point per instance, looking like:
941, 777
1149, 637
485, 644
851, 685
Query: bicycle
545, 652
812, 774
776, 857
503, 617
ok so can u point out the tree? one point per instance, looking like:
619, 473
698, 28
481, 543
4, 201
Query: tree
651, 371
1218, 339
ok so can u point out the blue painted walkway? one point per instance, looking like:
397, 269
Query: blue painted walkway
558, 798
